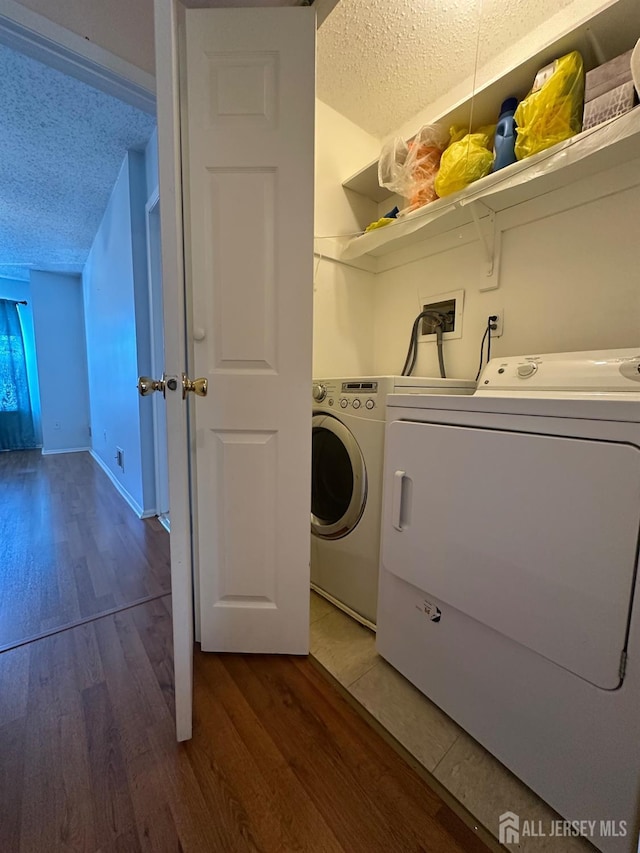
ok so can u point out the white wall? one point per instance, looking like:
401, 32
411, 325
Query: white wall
343, 306
58, 317
568, 282
116, 308
341, 149
21, 290
123, 27
343, 296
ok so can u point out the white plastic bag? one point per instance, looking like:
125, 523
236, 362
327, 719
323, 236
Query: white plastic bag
410, 168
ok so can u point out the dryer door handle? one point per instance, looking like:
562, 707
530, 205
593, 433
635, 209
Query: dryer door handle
396, 501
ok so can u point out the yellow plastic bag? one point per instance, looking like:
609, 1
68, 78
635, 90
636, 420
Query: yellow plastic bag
552, 111
468, 158
379, 223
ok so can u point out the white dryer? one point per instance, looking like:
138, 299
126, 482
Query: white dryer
509, 573
347, 451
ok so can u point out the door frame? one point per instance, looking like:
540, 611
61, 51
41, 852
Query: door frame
38, 37
49, 43
156, 326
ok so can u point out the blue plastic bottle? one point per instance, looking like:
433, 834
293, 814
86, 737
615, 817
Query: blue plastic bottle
505, 138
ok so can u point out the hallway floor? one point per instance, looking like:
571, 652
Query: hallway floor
71, 548
279, 760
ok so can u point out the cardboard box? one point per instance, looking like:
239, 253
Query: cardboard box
610, 75
613, 103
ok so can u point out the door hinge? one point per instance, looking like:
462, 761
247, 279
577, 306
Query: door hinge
623, 664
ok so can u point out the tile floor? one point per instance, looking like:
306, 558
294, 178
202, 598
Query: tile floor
473, 776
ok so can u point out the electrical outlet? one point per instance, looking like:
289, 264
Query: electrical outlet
120, 457
499, 323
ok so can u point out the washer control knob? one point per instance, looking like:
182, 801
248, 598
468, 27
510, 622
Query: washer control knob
344, 403
356, 403
319, 392
524, 371
370, 404
330, 401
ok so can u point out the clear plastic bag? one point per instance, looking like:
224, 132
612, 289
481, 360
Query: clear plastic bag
552, 111
468, 158
410, 168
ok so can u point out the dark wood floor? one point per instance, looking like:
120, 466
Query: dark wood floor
70, 547
88, 760
278, 762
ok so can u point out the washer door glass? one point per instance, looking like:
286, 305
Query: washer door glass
338, 479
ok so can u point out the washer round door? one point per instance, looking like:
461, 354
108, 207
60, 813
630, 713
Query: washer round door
338, 479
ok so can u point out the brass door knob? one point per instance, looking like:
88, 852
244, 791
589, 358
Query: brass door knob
147, 385
199, 387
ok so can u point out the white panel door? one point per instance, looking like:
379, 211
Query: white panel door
248, 167
533, 535
166, 17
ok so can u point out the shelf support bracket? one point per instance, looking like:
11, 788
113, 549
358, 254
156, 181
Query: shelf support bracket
491, 243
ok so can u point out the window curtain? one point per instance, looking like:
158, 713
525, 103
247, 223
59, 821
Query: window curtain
16, 419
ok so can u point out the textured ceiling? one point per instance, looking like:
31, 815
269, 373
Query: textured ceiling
62, 144
382, 61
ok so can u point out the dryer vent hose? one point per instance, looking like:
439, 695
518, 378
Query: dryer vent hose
412, 353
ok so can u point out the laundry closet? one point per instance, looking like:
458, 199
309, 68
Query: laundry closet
566, 259
550, 247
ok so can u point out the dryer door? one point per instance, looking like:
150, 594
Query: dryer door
338, 479
534, 535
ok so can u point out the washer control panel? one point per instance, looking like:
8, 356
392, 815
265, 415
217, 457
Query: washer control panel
359, 397
319, 391
360, 387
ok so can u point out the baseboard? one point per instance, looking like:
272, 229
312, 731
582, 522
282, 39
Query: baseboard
345, 609
165, 522
133, 503
66, 450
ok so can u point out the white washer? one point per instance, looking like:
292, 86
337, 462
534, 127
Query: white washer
509, 573
347, 451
